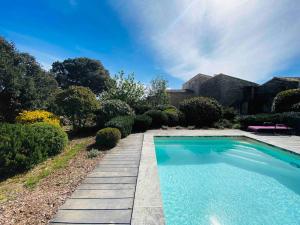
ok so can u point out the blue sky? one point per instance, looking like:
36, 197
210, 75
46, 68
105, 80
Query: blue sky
253, 40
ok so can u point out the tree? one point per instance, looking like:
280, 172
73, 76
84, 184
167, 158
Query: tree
24, 85
81, 72
125, 89
157, 93
78, 104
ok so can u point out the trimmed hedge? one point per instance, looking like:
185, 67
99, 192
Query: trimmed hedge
108, 137
123, 123
112, 108
23, 146
141, 108
158, 117
201, 111
165, 107
284, 100
142, 122
291, 119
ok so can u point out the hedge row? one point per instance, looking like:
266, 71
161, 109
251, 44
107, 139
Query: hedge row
289, 118
23, 146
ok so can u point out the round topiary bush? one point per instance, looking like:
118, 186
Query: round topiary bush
229, 113
142, 123
165, 107
108, 137
52, 137
201, 111
112, 108
158, 117
123, 123
284, 100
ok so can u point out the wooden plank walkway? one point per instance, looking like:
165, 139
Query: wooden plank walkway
106, 196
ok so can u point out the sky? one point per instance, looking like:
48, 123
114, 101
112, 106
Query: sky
177, 39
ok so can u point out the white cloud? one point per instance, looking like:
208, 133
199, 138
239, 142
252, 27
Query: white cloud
248, 39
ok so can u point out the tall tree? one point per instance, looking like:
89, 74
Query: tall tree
81, 72
124, 88
157, 92
23, 83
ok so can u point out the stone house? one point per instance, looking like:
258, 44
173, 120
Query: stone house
245, 96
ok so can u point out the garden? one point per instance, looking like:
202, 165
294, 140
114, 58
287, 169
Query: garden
48, 119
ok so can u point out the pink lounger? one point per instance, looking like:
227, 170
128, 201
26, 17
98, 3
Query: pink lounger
279, 127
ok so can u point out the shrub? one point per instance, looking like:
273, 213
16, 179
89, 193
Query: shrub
229, 113
141, 108
108, 137
201, 111
296, 107
173, 116
112, 108
123, 123
289, 118
142, 122
165, 107
223, 123
23, 146
37, 116
92, 153
53, 138
159, 118
284, 100
78, 104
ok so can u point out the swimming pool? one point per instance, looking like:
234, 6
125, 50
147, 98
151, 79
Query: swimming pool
227, 181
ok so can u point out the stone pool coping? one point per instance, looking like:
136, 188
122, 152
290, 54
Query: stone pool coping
148, 208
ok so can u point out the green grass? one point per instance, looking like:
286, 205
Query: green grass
56, 163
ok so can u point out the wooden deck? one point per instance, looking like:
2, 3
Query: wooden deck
106, 196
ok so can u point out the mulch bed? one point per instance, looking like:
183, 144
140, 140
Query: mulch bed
39, 205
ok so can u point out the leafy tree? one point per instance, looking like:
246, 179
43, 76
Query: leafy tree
81, 72
24, 85
78, 104
125, 89
157, 93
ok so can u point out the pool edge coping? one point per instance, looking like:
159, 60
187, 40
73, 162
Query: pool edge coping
148, 206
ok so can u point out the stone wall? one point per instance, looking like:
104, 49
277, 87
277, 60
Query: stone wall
177, 96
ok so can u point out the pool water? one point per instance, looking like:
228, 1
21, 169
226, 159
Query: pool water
227, 181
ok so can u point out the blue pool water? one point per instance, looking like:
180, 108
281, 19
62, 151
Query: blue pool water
227, 181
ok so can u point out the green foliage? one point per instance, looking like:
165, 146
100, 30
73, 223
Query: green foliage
112, 108
108, 137
24, 85
52, 137
23, 146
201, 111
141, 108
142, 123
157, 94
81, 72
229, 113
165, 107
159, 118
93, 153
223, 123
291, 119
123, 123
125, 89
296, 107
284, 100
78, 104
173, 116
